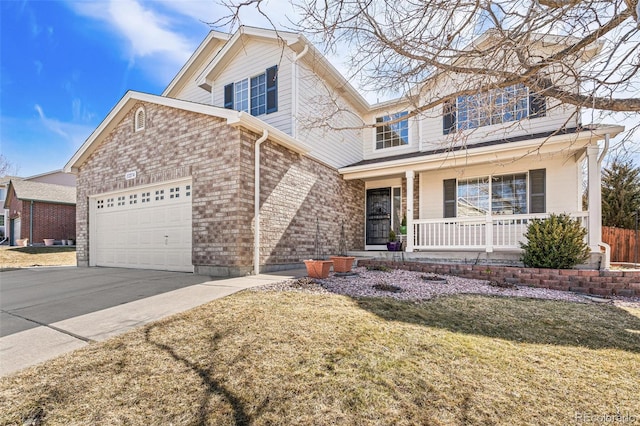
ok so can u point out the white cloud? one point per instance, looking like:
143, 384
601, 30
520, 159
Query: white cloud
146, 32
52, 125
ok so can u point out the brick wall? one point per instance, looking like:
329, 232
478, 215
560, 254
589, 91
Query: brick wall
602, 283
298, 195
175, 144
295, 190
57, 221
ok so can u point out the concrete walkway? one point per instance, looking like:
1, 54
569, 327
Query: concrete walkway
35, 345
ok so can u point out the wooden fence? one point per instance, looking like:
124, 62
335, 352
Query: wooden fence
623, 243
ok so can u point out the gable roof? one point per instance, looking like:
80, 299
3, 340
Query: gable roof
37, 191
297, 43
233, 118
213, 42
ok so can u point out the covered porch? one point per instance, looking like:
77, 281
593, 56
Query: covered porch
477, 202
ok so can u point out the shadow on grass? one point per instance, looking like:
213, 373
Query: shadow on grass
42, 250
213, 387
519, 320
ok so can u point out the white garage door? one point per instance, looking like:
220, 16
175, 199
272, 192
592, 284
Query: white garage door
147, 228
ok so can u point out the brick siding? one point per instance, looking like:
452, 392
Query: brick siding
219, 159
57, 221
601, 283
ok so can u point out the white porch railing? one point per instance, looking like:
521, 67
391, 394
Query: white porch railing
477, 233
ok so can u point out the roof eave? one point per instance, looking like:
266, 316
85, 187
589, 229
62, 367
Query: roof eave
378, 169
233, 118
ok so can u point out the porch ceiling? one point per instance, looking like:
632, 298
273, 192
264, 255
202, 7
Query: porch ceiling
571, 142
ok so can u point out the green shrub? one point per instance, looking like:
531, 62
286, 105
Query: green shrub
556, 242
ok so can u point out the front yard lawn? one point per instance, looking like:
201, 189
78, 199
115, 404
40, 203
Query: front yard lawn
24, 257
287, 358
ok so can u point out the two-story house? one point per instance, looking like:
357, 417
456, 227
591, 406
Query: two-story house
259, 125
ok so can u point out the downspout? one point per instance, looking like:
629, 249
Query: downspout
605, 246
256, 201
31, 224
294, 89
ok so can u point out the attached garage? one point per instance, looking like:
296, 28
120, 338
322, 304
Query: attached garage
147, 227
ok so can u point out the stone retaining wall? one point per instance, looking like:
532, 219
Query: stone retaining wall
601, 283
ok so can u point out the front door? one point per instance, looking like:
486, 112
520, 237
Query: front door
378, 216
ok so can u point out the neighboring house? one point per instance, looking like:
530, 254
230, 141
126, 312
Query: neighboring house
39, 210
243, 131
57, 177
4, 213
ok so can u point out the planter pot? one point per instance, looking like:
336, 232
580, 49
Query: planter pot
318, 268
22, 242
342, 264
49, 241
403, 229
394, 246
70, 242
63, 242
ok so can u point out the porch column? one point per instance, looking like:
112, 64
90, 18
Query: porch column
410, 176
595, 199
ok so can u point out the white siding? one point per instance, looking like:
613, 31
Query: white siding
193, 93
337, 148
562, 183
254, 58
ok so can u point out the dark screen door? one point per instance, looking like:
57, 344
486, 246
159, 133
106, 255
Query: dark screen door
378, 215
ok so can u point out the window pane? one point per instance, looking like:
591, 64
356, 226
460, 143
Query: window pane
493, 107
393, 134
473, 197
509, 194
241, 95
259, 95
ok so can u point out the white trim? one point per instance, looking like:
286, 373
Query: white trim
233, 118
472, 155
137, 124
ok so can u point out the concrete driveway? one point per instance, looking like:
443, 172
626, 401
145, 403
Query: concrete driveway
46, 312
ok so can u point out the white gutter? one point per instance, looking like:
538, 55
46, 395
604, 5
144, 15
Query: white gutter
256, 208
294, 90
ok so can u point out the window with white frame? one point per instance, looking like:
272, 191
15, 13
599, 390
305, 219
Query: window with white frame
504, 194
497, 106
396, 133
241, 95
257, 95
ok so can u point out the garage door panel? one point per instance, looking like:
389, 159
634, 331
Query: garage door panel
150, 228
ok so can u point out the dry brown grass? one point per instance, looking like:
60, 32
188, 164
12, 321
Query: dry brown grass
283, 358
23, 257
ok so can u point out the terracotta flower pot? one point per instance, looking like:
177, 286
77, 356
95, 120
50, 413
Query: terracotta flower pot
342, 264
49, 241
318, 268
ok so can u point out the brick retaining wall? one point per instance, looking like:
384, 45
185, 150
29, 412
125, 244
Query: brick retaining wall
601, 283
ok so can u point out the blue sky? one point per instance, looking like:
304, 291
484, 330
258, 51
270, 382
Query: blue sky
64, 65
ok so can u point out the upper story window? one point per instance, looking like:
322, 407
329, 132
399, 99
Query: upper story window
257, 95
496, 106
393, 134
139, 119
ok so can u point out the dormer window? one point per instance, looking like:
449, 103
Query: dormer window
140, 119
257, 95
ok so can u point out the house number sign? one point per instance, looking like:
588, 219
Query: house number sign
130, 175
